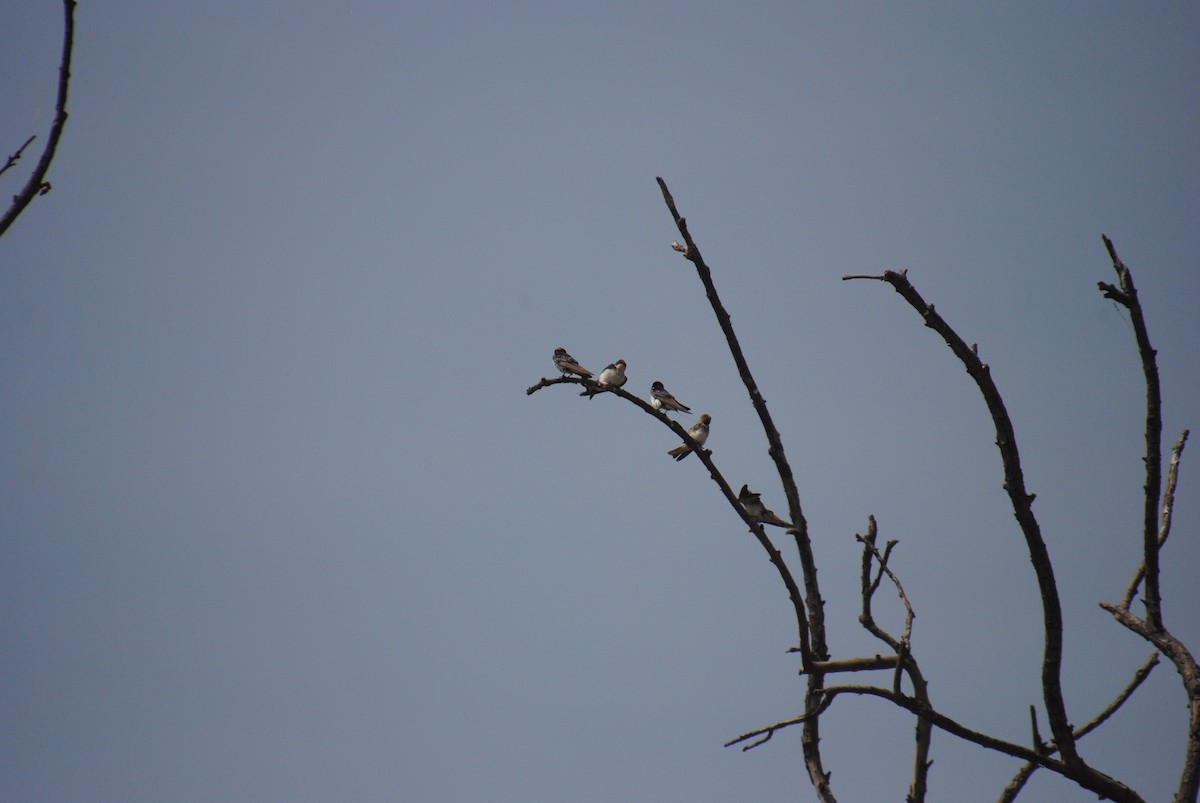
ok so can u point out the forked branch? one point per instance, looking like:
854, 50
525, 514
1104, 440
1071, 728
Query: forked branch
1018, 782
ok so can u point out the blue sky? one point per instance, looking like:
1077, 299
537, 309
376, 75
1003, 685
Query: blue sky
278, 521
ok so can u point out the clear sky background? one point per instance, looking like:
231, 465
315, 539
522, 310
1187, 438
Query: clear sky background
278, 521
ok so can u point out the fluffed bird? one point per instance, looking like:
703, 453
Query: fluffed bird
752, 503
699, 433
567, 364
664, 401
613, 376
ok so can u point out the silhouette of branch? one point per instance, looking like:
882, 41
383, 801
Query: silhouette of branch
1126, 295
1018, 782
905, 662
1164, 530
16, 156
37, 184
705, 456
1085, 776
1154, 533
1014, 485
810, 740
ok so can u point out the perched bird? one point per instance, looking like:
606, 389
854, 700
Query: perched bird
612, 376
699, 433
752, 503
662, 400
566, 363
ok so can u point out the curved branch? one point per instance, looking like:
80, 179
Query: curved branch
1014, 485
37, 182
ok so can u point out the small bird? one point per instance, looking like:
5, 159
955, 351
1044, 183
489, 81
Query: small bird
566, 363
662, 400
612, 376
752, 503
699, 433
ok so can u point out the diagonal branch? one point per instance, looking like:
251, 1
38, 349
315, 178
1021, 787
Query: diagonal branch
1018, 782
37, 182
1086, 777
810, 740
705, 456
15, 157
1014, 484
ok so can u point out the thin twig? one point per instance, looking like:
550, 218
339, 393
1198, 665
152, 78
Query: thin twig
1021, 501
1164, 530
16, 157
1018, 782
37, 182
905, 661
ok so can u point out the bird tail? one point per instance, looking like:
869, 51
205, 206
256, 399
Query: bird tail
681, 451
771, 518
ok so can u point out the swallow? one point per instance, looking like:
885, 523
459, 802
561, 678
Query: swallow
752, 504
566, 363
662, 400
699, 433
613, 376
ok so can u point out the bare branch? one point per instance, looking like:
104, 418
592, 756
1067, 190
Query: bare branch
1085, 776
1014, 485
857, 664
1018, 782
810, 740
868, 590
37, 184
705, 456
1127, 296
1189, 673
1164, 530
16, 156
769, 730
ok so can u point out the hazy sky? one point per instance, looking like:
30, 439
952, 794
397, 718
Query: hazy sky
279, 522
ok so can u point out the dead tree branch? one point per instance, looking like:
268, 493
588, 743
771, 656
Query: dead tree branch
1155, 529
1086, 777
905, 662
810, 740
1014, 485
1164, 530
1126, 295
37, 184
705, 456
1018, 782
15, 157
